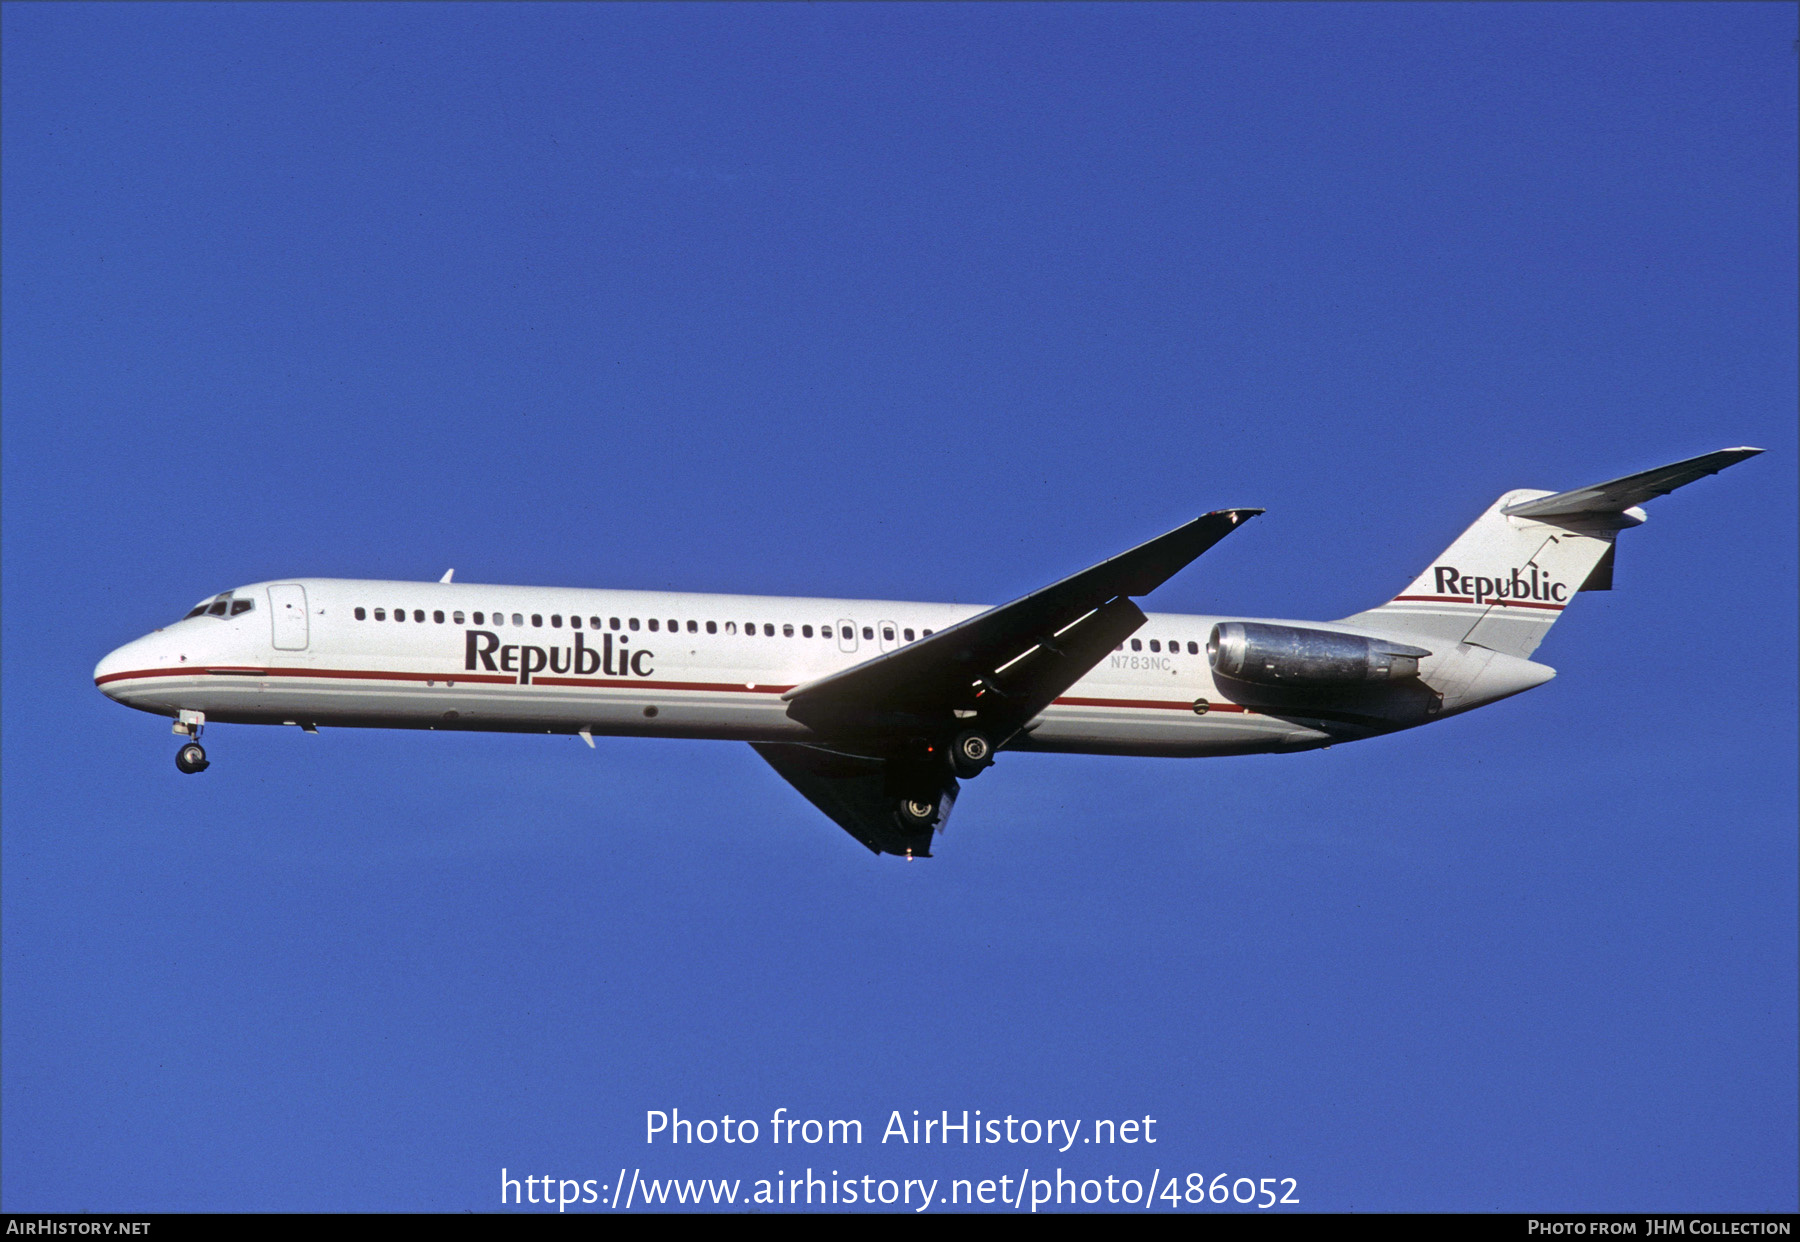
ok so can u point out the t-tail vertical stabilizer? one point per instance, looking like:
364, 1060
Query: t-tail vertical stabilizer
1506, 579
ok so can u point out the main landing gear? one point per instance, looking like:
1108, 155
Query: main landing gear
923, 794
191, 758
918, 815
971, 753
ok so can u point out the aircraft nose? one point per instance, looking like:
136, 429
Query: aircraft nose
133, 657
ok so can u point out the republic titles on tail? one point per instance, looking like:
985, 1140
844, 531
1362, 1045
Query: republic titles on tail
1507, 579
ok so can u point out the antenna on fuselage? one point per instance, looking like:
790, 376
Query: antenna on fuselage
447, 574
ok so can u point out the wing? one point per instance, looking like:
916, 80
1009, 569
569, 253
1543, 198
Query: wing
855, 792
1003, 666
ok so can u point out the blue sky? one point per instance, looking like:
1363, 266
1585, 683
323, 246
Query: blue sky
935, 302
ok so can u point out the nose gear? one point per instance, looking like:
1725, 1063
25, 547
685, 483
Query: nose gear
192, 757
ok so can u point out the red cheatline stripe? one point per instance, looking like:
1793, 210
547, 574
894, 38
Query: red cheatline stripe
489, 678
728, 687
352, 674
1185, 705
1470, 599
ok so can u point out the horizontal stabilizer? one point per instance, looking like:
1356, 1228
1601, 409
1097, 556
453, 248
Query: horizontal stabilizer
1634, 489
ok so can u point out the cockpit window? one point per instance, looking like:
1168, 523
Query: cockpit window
220, 605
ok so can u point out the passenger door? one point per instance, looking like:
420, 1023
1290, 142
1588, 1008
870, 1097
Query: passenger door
287, 616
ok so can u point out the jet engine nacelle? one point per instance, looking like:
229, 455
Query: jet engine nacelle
1286, 655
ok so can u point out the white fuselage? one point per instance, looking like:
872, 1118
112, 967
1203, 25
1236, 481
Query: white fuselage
331, 652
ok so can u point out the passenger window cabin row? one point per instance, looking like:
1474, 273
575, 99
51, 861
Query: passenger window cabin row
225, 605
654, 625
1137, 644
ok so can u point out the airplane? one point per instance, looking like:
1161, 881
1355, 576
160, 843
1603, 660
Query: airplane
877, 710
